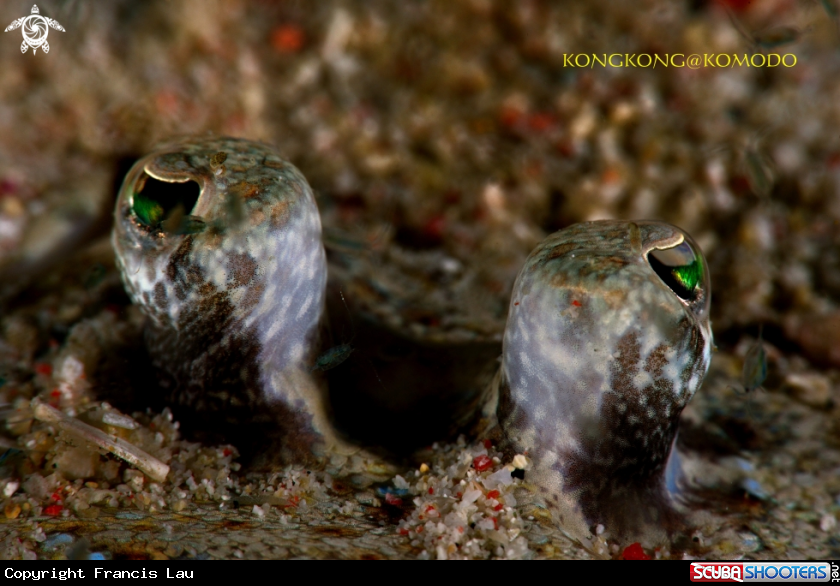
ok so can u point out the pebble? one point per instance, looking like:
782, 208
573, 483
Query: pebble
580, 104
811, 388
11, 510
828, 523
818, 335
54, 541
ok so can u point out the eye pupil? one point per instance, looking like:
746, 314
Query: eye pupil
147, 210
679, 268
156, 200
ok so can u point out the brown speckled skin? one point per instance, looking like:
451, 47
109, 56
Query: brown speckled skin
234, 310
600, 357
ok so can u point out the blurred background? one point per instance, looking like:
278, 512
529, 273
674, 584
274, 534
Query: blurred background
456, 126
459, 125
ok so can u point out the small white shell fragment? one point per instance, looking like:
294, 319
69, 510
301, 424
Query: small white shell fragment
119, 420
471, 496
501, 477
71, 369
520, 462
10, 488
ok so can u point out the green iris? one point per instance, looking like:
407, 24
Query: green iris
689, 275
147, 210
679, 267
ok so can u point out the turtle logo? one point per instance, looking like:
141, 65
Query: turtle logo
34, 30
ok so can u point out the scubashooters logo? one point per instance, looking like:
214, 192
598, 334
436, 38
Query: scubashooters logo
35, 29
762, 572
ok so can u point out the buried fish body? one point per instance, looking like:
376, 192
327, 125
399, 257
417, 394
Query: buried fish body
235, 301
219, 242
607, 340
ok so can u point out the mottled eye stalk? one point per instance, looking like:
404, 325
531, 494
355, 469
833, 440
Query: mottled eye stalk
218, 241
679, 267
593, 392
